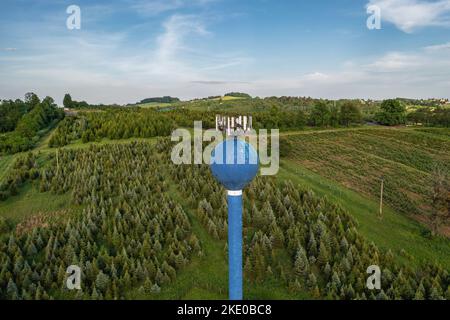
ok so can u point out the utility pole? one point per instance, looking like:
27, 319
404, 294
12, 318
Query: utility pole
381, 198
57, 160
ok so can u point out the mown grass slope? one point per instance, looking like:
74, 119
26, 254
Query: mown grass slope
358, 159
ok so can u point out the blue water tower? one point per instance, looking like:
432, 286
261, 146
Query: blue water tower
234, 163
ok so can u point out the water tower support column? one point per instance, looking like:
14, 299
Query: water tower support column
234, 163
235, 244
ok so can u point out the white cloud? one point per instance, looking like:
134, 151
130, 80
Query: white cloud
410, 15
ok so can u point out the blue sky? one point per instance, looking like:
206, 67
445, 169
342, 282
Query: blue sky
127, 50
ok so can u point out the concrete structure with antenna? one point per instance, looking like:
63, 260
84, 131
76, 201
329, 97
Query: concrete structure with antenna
234, 126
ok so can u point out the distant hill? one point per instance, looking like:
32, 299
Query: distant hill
165, 99
238, 95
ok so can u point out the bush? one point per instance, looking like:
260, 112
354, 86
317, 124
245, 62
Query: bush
392, 113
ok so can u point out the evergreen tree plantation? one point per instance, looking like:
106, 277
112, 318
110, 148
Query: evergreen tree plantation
129, 235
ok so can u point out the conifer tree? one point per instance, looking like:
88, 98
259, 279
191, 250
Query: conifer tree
12, 291
301, 265
323, 257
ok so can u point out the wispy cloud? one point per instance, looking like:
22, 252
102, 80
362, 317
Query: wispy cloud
155, 7
187, 48
410, 15
165, 63
172, 42
438, 48
215, 82
395, 61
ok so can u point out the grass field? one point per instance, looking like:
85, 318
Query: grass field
164, 105
155, 105
358, 159
227, 98
30, 202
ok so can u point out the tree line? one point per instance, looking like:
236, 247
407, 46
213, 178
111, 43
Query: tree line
311, 112
124, 123
24, 122
165, 99
437, 117
69, 103
283, 113
113, 124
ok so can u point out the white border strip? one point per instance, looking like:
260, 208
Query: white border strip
235, 193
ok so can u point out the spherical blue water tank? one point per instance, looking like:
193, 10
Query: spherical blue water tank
234, 163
